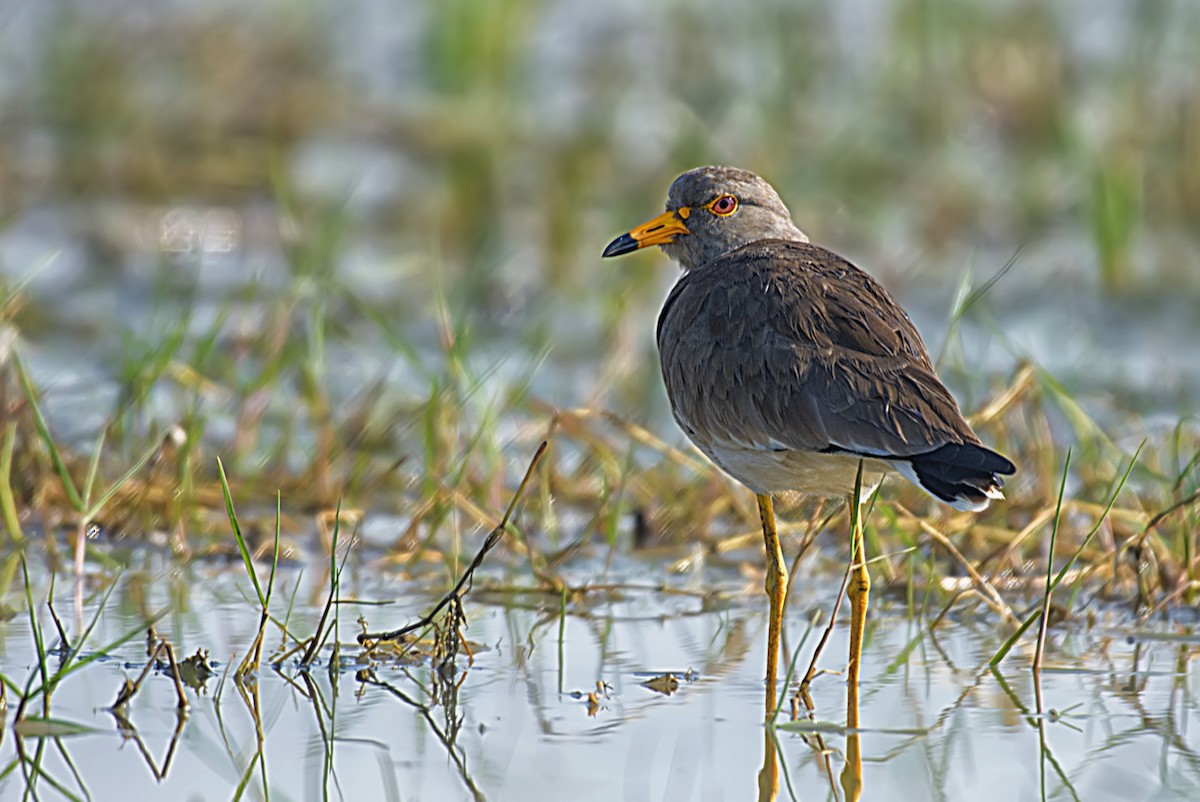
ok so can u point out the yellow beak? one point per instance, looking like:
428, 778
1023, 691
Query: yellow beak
659, 231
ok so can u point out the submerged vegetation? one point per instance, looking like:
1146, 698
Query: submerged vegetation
288, 303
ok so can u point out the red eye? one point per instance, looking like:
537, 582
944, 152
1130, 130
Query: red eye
724, 205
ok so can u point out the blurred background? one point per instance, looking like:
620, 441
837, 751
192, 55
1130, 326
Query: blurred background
207, 210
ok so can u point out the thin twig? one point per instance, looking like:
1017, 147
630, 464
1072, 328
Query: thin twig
464, 583
1158, 517
812, 665
130, 689
183, 702
985, 587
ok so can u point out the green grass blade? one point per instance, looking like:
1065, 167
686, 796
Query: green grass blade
8, 504
275, 550
1036, 614
19, 287
1099, 521
243, 549
38, 642
94, 510
66, 667
1084, 425
1033, 617
1041, 640
39, 727
66, 758
791, 671
93, 468
39, 422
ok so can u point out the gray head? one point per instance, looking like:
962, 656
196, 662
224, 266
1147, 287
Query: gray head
711, 211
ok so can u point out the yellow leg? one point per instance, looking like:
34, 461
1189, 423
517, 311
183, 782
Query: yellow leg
858, 589
777, 583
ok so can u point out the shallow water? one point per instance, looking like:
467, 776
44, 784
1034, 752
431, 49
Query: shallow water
936, 723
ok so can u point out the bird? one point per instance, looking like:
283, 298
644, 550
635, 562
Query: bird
792, 369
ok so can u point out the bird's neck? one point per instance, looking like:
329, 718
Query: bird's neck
793, 233
690, 257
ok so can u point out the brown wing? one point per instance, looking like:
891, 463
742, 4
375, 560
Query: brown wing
786, 345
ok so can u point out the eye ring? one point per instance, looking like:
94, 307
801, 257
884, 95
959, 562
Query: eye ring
724, 205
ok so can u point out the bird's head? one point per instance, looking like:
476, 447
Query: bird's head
712, 211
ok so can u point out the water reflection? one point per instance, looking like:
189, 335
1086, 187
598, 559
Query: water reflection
550, 702
130, 733
852, 782
768, 777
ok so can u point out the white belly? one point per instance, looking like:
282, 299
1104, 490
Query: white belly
823, 475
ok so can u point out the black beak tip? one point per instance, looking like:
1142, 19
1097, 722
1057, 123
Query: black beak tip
621, 245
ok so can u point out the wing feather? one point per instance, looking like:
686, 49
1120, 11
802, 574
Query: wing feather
784, 344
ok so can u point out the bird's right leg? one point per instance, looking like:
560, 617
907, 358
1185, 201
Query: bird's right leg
776, 583
858, 589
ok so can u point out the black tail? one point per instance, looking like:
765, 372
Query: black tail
964, 475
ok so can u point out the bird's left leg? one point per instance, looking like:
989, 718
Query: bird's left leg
777, 583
